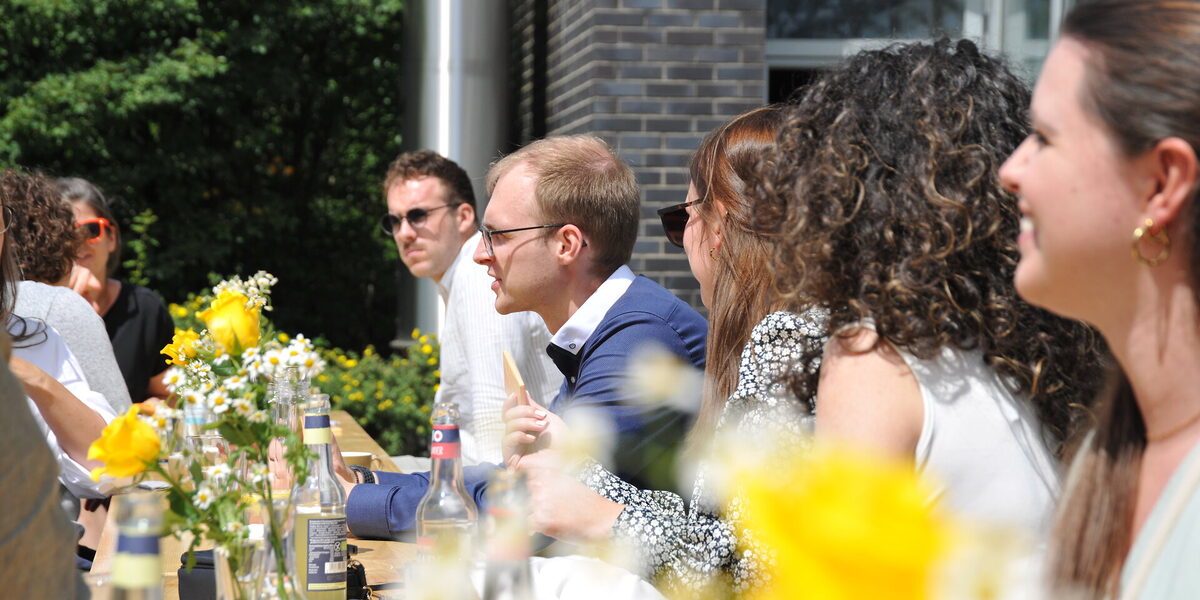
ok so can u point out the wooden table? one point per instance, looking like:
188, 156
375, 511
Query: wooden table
384, 561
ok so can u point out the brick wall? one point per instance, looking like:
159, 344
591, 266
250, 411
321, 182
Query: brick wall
651, 77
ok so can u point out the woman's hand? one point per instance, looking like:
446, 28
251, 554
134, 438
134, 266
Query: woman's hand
528, 428
86, 284
74, 423
560, 506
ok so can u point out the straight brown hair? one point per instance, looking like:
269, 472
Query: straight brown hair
742, 280
1143, 84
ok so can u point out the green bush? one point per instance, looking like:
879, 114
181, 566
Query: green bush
257, 132
390, 397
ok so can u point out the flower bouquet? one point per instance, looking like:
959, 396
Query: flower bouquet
221, 376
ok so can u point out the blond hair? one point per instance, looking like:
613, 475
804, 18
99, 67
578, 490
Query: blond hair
581, 182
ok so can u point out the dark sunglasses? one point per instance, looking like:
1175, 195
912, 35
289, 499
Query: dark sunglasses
94, 228
390, 223
674, 220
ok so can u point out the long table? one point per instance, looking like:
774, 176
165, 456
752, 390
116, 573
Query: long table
384, 561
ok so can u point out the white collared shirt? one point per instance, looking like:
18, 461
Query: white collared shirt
473, 336
580, 326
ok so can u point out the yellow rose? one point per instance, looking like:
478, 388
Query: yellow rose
232, 324
127, 446
182, 347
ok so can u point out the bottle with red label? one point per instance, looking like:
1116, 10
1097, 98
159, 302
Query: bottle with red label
446, 515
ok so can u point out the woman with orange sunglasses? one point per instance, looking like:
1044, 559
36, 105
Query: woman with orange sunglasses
136, 318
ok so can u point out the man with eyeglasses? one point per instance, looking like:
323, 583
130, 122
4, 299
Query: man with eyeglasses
431, 217
559, 228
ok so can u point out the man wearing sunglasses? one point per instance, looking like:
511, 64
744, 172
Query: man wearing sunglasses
559, 228
431, 217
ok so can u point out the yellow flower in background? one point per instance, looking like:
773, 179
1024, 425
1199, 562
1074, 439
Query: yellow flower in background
424, 340
351, 363
127, 446
427, 349
177, 311
182, 347
868, 529
386, 404
283, 337
369, 351
416, 333
232, 324
432, 361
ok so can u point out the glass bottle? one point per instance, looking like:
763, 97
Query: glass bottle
319, 527
446, 514
136, 567
507, 547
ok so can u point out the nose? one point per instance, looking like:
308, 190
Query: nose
404, 232
1010, 171
481, 254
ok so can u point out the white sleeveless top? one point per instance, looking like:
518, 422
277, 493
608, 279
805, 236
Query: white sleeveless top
982, 445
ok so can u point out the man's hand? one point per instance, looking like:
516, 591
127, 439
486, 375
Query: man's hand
560, 506
528, 428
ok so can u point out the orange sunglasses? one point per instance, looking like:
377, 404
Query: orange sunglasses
94, 228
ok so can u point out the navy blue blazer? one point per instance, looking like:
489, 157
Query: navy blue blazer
646, 314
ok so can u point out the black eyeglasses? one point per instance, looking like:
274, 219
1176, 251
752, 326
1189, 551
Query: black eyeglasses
488, 233
674, 220
389, 223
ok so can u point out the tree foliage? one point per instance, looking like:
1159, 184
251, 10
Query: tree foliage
257, 132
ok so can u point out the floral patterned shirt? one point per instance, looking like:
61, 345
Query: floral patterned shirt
692, 547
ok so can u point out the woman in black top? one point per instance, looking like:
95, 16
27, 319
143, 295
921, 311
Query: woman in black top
137, 321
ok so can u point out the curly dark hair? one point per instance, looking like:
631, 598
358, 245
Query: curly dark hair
885, 205
43, 233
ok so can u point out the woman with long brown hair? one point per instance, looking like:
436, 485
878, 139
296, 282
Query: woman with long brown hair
1108, 184
684, 547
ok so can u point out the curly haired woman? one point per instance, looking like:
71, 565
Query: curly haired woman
44, 243
888, 213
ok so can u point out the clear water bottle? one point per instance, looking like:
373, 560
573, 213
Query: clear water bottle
446, 515
319, 526
507, 547
136, 567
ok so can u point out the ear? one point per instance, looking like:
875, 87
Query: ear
465, 213
1172, 166
715, 232
570, 244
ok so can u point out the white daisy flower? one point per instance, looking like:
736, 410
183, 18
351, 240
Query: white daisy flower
219, 402
204, 497
259, 472
236, 527
243, 407
218, 473
236, 382
258, 416
173, 378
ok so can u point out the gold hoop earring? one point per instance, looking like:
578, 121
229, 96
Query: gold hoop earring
1160, 237
712, 253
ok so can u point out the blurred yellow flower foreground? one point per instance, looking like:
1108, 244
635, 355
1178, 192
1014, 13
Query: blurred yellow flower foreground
845, 525
127, 446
